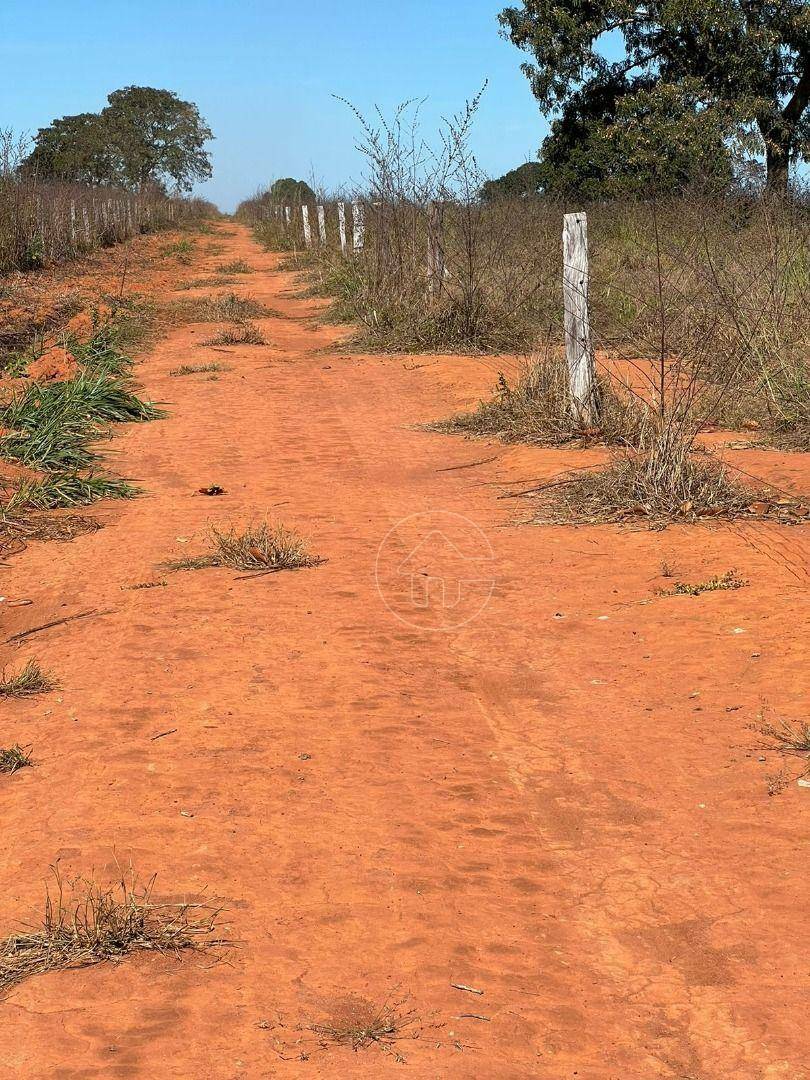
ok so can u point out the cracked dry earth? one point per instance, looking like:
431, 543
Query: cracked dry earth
460, 751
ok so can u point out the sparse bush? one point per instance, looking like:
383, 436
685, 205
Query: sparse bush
15, 758
263, 547
241, 333
225, 307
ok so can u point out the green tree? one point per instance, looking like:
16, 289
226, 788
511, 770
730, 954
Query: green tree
523, 182
746, 61
291, 191
143, 136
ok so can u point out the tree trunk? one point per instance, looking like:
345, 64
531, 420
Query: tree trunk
777, 157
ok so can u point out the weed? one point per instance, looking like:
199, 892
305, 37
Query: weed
180, 249
729, 580
86, 924
776, 782
359, 1024
662, 483
786, 736
238, 266
198, 369
146, 585
226, 307
264, 548
242, 333
205, 282
538, 410
31, 680
16, 532
69, 489
16, 757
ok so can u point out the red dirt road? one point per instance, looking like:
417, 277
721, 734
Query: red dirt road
559, 801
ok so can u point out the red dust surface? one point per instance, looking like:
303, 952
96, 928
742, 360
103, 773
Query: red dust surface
463, 751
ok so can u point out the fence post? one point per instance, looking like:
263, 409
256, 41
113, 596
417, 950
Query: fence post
342, 225
578, 346
307, 230
321, 224
286, 215
435, 249
358, 226
72, 224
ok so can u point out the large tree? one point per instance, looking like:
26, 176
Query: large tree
746, 59
144, 136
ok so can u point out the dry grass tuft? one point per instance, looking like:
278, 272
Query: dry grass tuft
242, 333
199, 369
787, 737
662, 483
359, 1024
537, 410
264, 548
16, 757
729, 580
16, 532
226, 307
237, 266
31, 680
86, 924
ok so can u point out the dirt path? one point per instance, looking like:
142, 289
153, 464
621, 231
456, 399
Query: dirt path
555, 799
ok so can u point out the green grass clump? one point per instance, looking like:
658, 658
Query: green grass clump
69, 489
31, 680
263, 547
14, 758
180, 249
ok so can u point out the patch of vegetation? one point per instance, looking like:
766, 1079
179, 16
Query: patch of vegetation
264, 548
226, 307
537, 410
205, 282
790, 737
729, 580
15, 532
659, 484
86, 924
14, 758
31, 680
242, 333
198, 369
237, 266
360, 1024
181, 249
69, 489
145, 585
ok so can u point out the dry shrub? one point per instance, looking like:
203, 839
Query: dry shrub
359, 1024
86, 924
225, 307
241, 333
537, 410
662, 482
264, 548
790, 737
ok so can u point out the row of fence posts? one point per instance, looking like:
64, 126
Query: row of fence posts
104, 218
358, 223
575, 281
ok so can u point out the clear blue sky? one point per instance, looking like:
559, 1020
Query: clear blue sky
262, 73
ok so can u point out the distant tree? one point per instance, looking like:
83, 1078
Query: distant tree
523, 182
746, 59
657, 141
143, 137
291, 191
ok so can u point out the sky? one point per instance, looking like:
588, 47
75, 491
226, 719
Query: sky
264, 73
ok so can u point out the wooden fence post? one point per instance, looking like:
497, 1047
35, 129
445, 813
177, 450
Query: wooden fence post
578, 346
358, 226
342, 225
321, 224
307, 230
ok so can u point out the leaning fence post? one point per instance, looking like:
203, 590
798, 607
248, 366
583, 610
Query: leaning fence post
358, 226
578, 347
307, 230
321, 224
342, 225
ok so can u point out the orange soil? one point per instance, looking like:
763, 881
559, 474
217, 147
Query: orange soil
559, 802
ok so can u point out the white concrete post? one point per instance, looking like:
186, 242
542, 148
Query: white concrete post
358, 226
321, 224
578, 346
342, 225
307, 230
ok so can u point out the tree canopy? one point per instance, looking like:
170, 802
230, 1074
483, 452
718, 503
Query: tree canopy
291, 191
523, 182
686, 67
143, 136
